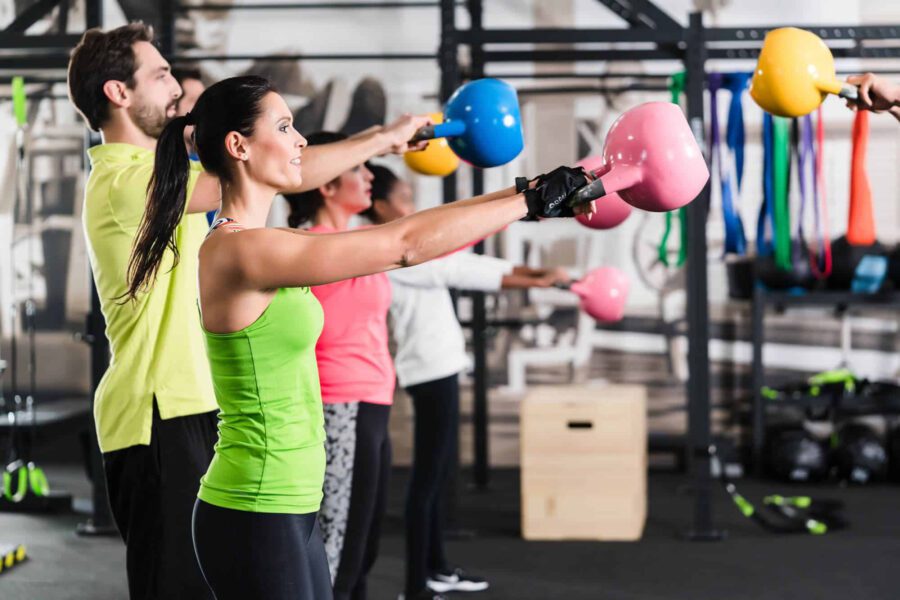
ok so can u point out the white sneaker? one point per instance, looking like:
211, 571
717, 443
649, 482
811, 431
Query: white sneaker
456, 580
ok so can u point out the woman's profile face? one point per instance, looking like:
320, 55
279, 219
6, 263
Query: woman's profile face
275, 147
352, 191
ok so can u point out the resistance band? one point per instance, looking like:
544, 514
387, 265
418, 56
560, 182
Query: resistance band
731, 167
781, 161
676, 88
773, 228
861, 221
821, 266
802, 143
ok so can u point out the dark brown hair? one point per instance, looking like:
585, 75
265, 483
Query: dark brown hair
383, 182
99, 57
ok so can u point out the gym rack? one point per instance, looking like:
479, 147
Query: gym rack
693, 45
841, 302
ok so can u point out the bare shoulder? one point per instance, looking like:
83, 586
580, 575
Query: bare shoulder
235, 251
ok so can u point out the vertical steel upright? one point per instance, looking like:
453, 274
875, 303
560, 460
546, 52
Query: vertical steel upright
698, 442
93, 14
479, 311
166, 37
100, 521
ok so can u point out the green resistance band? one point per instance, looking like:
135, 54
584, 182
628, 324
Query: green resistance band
18, 98
676, 89
781, 157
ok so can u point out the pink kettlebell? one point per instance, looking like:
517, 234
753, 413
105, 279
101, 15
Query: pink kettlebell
603, 293
654, 161
611, 209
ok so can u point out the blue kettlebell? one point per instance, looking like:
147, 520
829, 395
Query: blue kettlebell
482, 123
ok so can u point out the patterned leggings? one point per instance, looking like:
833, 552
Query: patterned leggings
358, 454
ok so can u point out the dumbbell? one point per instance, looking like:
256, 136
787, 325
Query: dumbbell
795, 73
481, 122
651, 159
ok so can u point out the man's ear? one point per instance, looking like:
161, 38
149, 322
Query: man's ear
117, 93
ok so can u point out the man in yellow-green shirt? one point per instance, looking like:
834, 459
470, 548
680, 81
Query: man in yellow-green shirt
155, 407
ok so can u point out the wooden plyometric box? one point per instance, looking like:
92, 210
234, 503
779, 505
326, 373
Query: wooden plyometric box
584, 462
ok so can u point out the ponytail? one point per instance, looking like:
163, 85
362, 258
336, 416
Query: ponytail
166, 200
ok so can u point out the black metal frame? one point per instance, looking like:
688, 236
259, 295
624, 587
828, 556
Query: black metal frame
694, 45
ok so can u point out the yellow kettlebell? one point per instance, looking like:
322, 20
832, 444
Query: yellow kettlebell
794, 74
437, 159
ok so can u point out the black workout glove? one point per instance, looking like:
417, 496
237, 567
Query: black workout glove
550, 196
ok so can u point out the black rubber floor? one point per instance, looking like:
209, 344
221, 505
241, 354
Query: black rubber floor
856, 563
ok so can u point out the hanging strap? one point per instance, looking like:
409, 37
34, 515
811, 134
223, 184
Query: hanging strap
676, 88
781, 159
731, 166
861, 220
764, 231
737, 84
821, 266
773, 229
802, 142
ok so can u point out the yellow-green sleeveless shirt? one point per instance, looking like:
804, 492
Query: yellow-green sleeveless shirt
270, 456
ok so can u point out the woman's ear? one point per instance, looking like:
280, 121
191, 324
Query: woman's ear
236, 146
330, 189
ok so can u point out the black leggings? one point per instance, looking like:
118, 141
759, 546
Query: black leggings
246, 555
436, 405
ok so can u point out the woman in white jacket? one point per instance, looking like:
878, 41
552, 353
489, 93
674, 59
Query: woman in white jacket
431, 352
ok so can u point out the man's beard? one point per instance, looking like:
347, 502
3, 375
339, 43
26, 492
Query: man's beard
150, 119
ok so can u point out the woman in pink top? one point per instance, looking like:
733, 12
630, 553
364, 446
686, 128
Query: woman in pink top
357, 378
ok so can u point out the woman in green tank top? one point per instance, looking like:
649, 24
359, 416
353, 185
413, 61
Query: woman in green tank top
255, 532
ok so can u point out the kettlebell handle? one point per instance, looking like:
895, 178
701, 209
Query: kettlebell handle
588, 193
849, 92
845, 90
441, 130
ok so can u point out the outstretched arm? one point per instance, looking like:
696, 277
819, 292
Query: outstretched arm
527, 277
272, 258
324, 162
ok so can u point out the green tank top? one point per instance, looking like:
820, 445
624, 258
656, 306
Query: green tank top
270, 457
